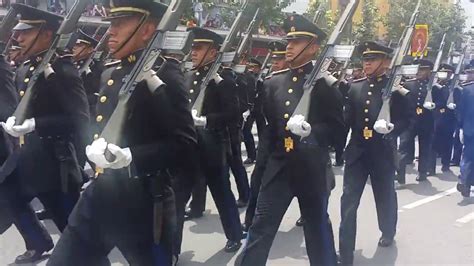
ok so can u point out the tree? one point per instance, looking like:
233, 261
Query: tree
439, 17
366, 29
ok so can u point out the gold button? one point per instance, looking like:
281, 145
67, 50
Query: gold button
103, 99
99, 118
286, 116
369, 93
197, 73
96, 136
195, 82
189, 100
288, 149
27, 80
366, 120
287, 128
366, 110
191, 91
367, 102
287, 103
295, 79
110, 82
371, 85
366, 128
119, 67
32, 68
22, 93
290, 91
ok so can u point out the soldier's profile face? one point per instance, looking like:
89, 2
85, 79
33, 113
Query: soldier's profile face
202, 53
26, 38
299, 52
423, 73
373, 66
81, 50
279, 64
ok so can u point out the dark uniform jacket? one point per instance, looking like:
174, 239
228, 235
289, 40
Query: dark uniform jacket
466, 109
445, 118
361, 112
421, 117
91, 79
307, 158
49, 158
159, 126
221, 104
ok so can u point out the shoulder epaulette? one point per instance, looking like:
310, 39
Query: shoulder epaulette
359, 80
113, 63
269, 76
279, 71
26, 62
413, 79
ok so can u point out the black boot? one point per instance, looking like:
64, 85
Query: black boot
421, 177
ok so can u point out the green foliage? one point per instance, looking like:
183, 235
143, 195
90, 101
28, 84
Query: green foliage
366, 29
440, 18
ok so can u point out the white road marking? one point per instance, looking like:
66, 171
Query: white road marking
429, 199
464, 220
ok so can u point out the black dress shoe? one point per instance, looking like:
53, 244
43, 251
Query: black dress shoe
464, 189
338, 163
189, 215
385, 242
445, 168
31, 256
346, 260
249, 161
241, 203
421, 178
232, 246
245, 227
301, 221
44, 215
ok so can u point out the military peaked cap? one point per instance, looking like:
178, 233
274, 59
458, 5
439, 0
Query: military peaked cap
371, 49
278, 48
207, 36
297, 26
31, 17
125, 8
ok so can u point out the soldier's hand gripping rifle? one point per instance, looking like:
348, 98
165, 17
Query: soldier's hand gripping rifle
60, 41
8, 22
226, 47
455, 82
320, 70
98, 53
162, 40
433, 81
396, 66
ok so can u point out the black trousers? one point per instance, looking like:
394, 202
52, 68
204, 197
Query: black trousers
443, 144
407, 138
234, 158
255, 183
118, 211
457, 148
273, 201
382, 181
248, 138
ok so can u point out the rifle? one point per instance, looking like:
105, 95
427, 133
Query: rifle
396, 65
98, 50
221, 57
434, 72
327, 56
113, 130
264, 65
247, 36
318, 14
450, 53
6, 27
60, 41
457, 72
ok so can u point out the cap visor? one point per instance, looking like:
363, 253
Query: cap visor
23, 26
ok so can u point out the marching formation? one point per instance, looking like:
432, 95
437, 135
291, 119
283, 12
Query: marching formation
147, 118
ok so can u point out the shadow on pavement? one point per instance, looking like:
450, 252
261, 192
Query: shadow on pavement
288, 244
208, 224
382, 256
221, 258
424, 188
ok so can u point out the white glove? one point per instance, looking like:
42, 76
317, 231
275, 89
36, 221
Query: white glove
28, 126
8, 126
246, 115
199, 121
429, 105
382, 127
451, 106
123, 156
153, 82
48, 71
217, 79
88, 71
298, 126
96, 153
461, 136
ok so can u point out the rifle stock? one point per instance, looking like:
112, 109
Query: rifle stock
455, 81
60, 41
434, 78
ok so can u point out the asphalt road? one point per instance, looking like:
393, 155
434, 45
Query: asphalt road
436, 227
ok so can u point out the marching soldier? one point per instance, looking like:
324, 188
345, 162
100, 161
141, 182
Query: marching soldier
83, 50
466, 135
297, 152
253, 68
371, 149
220, 111
279, 64
48, 166
14, 55
422, 126
444, 120
130, 204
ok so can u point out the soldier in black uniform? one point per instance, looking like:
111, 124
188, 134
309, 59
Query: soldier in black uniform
466, 133
90, 75
220, 110
297, 150
48, 166
371, 150
444, 119
422, 126
278, 53
130, 204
